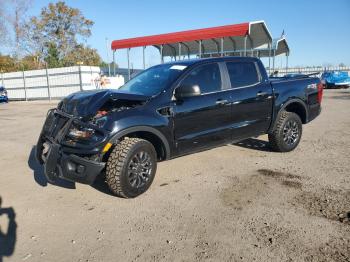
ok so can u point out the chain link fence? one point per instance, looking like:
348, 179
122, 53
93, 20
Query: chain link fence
310, 70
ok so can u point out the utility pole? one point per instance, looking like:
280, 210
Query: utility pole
108, 61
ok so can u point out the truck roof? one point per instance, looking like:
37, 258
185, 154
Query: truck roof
212, 59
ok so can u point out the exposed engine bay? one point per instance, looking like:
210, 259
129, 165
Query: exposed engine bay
112, 106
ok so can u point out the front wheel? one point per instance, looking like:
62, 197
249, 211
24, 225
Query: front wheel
131, 167
287, 132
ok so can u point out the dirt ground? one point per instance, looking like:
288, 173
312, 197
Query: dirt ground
233, 203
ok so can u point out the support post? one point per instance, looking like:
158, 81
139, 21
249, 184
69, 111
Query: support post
80, 79
273, 61
113, 62
287, 55
128, 57
179, 51
269, 58
188, 50
48, 83
245, 45
25, 86
222, 46
143, 57
161, 54
233, 45
200, 48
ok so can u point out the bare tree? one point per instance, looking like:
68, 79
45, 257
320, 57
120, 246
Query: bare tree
3, 25
16, 17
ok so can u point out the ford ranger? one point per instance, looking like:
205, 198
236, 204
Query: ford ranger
171, 110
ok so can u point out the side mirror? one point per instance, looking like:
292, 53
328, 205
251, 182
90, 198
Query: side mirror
187, 91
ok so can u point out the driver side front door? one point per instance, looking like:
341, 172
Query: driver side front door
203, 121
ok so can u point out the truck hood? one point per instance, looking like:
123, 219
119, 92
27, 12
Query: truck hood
85, 104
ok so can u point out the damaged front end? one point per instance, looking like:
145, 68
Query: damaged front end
72, 141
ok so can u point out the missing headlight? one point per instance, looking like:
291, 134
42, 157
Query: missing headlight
82, 133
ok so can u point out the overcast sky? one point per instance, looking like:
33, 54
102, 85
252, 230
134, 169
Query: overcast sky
318, 32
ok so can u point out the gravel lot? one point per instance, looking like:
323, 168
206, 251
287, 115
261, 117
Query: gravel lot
233, 203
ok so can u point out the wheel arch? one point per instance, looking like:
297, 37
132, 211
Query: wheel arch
294, 105
298, 107
154, 136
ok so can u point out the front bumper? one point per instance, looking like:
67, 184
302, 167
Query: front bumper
70, 167
60, 161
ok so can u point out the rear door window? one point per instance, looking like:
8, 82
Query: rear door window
242, 74
207, 77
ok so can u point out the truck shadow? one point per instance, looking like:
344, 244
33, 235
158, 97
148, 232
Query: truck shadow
39, 175
341, 97
9, 235
40, 179
101, 185
255, 144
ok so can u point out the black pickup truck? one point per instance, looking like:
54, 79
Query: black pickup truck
171, 110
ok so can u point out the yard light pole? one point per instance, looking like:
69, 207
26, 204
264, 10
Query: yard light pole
107, 53
113, 62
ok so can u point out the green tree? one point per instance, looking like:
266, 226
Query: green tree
59, 24
82, 54
52, 59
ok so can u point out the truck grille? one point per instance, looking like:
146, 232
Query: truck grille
54, 124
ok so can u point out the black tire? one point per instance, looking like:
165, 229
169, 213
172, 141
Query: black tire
281, 138
125, 172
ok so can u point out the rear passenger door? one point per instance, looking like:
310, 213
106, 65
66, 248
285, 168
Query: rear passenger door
203, 121
251, 100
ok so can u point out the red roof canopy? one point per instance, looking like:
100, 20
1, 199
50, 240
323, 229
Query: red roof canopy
184, 36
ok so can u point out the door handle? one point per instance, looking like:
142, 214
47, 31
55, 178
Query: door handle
260, 94
166, 111
221, 101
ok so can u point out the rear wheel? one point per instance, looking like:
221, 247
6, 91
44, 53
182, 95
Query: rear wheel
131, 167
287, 133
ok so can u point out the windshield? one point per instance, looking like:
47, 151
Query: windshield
153, 80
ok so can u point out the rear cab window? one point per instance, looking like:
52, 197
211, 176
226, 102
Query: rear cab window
242, 74
207, 77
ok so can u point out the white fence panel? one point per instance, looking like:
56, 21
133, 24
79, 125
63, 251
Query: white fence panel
49, 83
